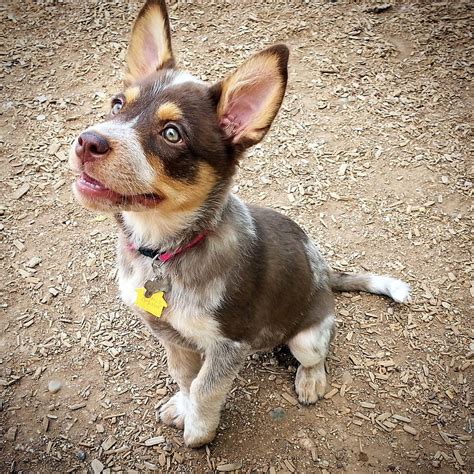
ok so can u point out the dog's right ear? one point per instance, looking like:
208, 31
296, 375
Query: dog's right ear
150, 45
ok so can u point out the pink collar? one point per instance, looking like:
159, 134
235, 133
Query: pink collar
166, 256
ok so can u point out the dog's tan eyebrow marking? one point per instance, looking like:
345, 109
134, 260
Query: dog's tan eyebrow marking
169, 111
131, 94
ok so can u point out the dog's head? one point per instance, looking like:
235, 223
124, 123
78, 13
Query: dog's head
171, 140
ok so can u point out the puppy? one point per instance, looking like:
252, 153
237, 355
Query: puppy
213, 278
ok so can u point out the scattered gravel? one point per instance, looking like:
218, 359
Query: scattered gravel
369, 153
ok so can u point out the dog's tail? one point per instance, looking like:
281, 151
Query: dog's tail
396, 289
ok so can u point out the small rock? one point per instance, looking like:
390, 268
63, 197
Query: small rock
81, 455
277, 414
54, 386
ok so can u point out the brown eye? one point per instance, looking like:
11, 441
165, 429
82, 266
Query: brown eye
117, 104
171, 134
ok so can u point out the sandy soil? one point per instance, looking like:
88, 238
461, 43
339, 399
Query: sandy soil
369, 154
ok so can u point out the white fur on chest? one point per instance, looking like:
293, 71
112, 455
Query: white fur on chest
189, 310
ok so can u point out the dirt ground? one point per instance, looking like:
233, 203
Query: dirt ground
370, 154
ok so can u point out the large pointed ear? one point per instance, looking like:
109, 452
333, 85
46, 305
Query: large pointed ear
150, 45
249, 99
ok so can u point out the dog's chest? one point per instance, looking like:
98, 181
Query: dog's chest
190, 309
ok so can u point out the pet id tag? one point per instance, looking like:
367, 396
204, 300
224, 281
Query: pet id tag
154, 286
153, 304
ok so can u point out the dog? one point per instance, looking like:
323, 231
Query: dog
213, 278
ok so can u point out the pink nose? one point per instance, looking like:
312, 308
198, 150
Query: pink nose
90, 147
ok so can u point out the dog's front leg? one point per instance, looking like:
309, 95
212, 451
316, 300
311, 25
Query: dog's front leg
183, 365
209, 389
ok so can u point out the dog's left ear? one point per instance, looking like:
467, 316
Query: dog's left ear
249, 99
150, 45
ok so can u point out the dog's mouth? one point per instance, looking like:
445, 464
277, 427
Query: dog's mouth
91, 188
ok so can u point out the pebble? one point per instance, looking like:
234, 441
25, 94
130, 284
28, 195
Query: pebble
277, 414
54, 386
81, 455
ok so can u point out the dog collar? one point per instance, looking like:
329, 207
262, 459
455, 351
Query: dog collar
166, 256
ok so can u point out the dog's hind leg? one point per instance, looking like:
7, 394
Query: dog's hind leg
183, 366
310, 347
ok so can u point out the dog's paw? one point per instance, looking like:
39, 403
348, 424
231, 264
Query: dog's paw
197, 436
173, 412
199, 430
310, 384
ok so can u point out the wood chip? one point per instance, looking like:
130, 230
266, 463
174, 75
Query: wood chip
401, 418
21, 191
108, 443
77, 406
291, 400
410, 429
97, 466
458, 457
154, 441
229, 467
331, 393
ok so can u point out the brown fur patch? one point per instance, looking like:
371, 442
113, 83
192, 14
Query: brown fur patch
168, 112
132, 94
180, 195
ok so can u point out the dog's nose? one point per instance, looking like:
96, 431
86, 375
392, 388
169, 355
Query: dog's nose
90, 146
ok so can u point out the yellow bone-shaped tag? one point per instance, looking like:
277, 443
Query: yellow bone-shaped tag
154, 304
